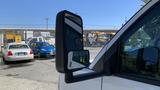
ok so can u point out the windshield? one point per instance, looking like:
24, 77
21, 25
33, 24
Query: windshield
20, 46
43, 44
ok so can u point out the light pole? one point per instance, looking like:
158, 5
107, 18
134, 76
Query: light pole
47, 19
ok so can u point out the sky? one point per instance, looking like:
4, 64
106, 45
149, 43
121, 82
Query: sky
106, 14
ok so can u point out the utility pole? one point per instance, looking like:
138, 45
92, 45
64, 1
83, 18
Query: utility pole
47, 19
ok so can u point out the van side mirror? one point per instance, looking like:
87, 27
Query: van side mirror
78, 59
70, 53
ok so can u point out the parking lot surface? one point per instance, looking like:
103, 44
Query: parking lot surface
37, 75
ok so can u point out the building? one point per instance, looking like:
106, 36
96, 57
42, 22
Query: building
28, 33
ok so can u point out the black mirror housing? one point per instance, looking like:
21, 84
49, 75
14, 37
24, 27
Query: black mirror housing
69, 37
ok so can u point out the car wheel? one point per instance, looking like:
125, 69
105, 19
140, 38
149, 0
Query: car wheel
32, 60
39, 55
4, 61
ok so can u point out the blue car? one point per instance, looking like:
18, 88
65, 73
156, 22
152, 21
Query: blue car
42, 49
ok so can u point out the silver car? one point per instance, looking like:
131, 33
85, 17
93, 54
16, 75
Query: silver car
17, 52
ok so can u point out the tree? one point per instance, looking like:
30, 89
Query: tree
145, 1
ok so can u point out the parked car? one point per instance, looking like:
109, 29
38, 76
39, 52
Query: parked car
17, 52
43, 49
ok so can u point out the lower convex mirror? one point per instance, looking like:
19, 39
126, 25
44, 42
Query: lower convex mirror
78, 60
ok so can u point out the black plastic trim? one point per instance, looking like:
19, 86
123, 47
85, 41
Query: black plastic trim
69, 78
61, 63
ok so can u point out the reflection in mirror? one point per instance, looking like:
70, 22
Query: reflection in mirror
74, 19
78, 59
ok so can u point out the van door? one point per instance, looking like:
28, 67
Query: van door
91, 84
138, 61
131, 60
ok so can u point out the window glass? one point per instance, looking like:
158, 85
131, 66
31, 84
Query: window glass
5, 47
141, 47
34, 39
44, 44
20, 46
40, 39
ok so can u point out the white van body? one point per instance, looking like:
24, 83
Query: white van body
35, 39
111, 82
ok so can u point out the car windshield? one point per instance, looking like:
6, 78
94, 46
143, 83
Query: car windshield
43, 44
19, 46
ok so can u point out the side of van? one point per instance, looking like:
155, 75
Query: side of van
130, 61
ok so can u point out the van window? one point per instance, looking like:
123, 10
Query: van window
40, 39
141, 46
33, 40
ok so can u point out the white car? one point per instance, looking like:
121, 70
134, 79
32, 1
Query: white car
17, 52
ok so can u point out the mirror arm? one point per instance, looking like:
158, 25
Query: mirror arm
69, 77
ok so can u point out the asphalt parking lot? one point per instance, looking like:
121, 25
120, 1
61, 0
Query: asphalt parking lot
39, 70
37, 75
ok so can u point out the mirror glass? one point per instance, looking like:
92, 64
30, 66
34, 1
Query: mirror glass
78, 59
